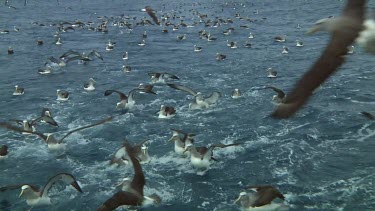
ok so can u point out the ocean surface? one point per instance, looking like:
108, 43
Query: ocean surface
320, 159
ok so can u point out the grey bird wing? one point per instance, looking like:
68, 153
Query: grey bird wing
50, 120
183, 88
53, 59
70, 52
95, 53
130, 95
156, 75
85, 127
64, 177
279, 92
110, 91
213, 98
330, 60
151, 13
168, 75
21, 130
75, 58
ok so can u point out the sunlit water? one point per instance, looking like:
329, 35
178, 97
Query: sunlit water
321, 159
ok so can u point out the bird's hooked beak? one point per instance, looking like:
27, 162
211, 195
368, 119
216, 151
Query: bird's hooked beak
187, 147
21, 193
172, 138
239, 197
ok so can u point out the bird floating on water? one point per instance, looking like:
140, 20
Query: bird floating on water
236, 93
18, 90
62, 95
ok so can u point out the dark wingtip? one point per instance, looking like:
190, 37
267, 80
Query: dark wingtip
108, 92
76, 186
368, 115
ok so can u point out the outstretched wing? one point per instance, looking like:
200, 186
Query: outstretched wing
368, 115
95, 53
168, 75
85, 127
279, 92
265, 195
68, 53
213, 98
110, 91
120, 198
151, 13
330, 60
64, 177
183, 88
21, 130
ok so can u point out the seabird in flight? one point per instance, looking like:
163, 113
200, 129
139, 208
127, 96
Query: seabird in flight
280, 94
161, 77
344, 31
181, 139
47, 117
134, 196
140, 150
126, 102
199, 102
200, 157
262, 198
151, 13
49, 139
146, 88
35, 196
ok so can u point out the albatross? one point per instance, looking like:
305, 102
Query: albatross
126, 102
261, 199
344, 31
35, 196
200, 157
49, 139
134, 195
140, 150
199, 102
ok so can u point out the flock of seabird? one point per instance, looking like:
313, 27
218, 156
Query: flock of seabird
344, 30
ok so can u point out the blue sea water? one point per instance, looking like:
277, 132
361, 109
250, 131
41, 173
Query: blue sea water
321, 159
